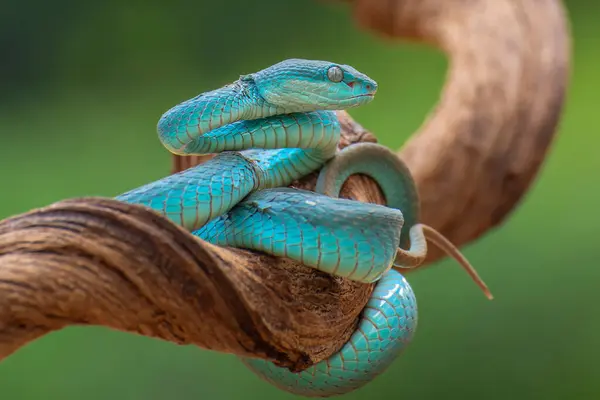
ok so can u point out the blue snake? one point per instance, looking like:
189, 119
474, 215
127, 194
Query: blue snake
270, 128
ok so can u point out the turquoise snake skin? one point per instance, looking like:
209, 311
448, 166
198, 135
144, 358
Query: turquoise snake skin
270, 128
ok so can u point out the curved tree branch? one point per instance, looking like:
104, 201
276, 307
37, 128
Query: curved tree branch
98, 261
477, 155
102, 262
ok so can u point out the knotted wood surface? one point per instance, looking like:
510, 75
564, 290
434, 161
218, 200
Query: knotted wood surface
100, 262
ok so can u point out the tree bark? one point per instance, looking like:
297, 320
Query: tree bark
100, 262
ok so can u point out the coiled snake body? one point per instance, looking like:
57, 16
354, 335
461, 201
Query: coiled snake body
271, 128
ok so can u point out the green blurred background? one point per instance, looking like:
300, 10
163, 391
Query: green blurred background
84, 85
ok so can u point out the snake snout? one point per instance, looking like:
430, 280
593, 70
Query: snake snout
371, 87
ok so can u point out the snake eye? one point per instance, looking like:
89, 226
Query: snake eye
335, 74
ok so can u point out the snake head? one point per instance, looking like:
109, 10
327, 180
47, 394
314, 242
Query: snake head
308, 85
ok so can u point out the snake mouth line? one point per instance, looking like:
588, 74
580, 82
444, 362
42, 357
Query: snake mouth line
361, 96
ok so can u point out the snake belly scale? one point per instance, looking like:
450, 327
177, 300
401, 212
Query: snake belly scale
270, 128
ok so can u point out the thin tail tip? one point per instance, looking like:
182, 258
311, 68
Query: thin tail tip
488, 293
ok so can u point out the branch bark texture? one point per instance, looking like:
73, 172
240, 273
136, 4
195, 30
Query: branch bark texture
99, 262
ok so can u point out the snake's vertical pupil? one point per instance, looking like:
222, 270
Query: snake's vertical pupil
335, 74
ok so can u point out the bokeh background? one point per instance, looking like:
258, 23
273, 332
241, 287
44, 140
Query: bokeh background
83, 85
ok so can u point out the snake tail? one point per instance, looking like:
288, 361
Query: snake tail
400, 191
450, 249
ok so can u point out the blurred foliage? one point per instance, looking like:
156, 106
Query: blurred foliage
84, 85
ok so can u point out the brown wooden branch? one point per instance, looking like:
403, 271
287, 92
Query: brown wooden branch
480, 150
100, 262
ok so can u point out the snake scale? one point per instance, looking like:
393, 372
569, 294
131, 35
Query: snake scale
270, 128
